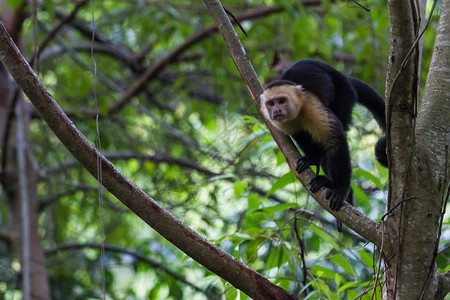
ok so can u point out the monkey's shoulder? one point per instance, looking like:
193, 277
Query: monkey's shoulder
321, 79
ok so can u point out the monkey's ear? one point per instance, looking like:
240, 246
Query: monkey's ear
300, 88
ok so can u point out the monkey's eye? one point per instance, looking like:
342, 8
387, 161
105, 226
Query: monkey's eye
270, 103
282, 100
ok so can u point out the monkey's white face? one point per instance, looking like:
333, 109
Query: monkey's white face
278, 108
280, 103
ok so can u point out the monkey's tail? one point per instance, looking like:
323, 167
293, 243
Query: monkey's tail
380, 151
368, 97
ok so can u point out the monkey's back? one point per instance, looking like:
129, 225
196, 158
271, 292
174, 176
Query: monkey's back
333, 88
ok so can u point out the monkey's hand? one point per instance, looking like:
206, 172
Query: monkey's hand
303, 163
318, 182
337, 197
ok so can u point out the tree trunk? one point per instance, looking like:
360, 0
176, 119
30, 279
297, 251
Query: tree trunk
31, 257
417, 158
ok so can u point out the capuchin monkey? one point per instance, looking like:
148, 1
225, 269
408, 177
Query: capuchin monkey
312, 102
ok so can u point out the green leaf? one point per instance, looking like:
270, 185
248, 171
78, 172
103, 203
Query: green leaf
304, 288
279, 207
359, 193
337, 279
347, 286
248, 250
239, 187
342, 262
325, 237
384, 173
366, 258
323, 272
312, 295
280, 158
253, 231
48, 4
253, 201
231, 293
179, 82
355, 295
369, 176
280, 256
357, 116
282, 182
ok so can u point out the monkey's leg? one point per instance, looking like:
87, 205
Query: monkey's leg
319, 182
337, 167
349, 200
304, 162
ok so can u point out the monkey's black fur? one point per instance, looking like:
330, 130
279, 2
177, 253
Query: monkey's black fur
337, 94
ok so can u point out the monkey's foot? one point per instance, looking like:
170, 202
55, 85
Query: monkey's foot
318, 182
337, 198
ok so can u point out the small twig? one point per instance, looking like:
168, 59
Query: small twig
235, 20
397, 205
374, 288
360, 5
8, 126
301, 243
379, 262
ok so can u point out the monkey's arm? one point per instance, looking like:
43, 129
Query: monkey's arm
312, 152
337, 166
335, 161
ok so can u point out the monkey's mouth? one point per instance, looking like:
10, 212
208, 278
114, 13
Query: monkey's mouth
279, 117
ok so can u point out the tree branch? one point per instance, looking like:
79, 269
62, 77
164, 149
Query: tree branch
183, 237
361, 224
433, 137
433, 125
401, 96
